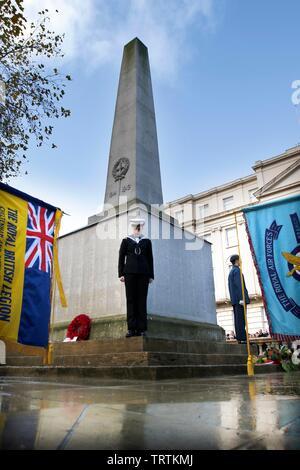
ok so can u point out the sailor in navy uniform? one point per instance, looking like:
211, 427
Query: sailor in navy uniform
136, 270
236, 297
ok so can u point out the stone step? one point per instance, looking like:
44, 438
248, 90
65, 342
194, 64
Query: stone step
76, 374
138, 343
130, 351
25, 360
148, 358
14, 349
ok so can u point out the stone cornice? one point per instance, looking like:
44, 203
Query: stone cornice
294, 151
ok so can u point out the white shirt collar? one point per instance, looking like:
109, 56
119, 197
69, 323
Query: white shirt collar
136, 239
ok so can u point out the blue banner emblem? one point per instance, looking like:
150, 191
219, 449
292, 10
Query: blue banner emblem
288, 304
274, 235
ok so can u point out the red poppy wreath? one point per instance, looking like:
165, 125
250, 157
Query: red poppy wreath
80, 326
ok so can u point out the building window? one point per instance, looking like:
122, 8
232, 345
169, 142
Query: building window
202, 211
179, 216
231, 237
251, 195
228, 203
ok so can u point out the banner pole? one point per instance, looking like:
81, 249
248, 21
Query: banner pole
250, 367
49, 351
51, 324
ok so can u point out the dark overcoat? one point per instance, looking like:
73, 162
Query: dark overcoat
235, 286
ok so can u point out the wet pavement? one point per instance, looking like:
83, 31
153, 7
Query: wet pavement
232, 412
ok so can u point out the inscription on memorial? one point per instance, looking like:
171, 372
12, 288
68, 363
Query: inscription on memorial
126, 188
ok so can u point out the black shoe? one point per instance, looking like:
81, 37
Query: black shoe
141, 333
130, 333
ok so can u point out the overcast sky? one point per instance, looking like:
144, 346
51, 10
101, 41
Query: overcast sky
222, 74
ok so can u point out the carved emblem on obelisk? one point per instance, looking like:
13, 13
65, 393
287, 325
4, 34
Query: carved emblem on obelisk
120, 168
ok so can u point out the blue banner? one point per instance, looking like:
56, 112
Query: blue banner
273, 230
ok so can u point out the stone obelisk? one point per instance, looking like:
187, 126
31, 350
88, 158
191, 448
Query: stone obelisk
134, 148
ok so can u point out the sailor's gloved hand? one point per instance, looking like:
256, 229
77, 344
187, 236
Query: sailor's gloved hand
122, 279
150, 280
241, 302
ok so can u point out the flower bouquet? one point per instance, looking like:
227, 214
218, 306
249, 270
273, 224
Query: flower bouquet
281, 356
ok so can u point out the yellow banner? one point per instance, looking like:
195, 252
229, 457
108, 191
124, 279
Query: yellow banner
13, 224
56, 269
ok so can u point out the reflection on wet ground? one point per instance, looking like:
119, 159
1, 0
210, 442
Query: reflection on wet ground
233, 412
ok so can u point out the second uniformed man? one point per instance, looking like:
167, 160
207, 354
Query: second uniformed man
236, 297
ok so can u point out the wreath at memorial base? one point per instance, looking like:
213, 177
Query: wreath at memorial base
79, 327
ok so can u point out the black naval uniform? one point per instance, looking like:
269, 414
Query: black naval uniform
136, 265
236, 294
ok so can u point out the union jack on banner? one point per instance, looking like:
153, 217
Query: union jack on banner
39, 238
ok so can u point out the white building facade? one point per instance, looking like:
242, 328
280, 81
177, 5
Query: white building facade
216, 215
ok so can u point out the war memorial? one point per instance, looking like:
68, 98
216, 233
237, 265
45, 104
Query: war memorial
107, 392
183, 338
